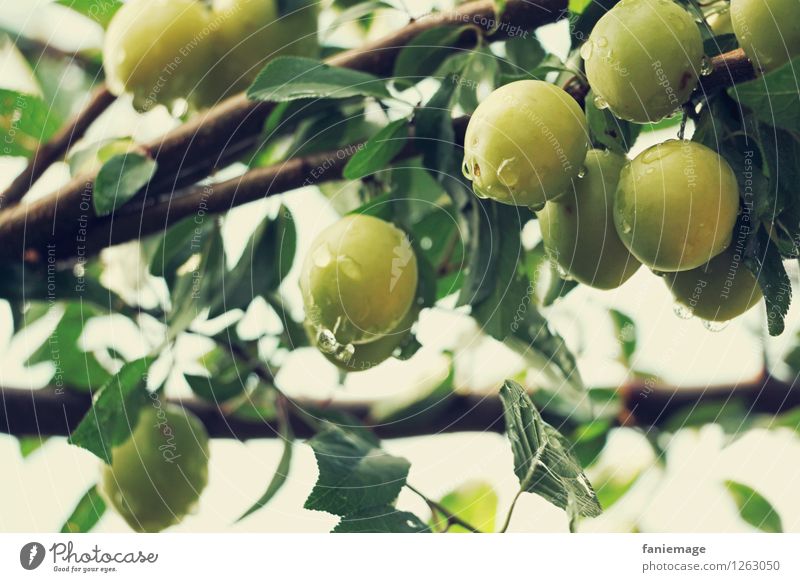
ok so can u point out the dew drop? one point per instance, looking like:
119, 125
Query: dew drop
650, 170
682, 311
602, 41
652, 155
322, 256
582, 172
426, 243
326, 341
350, 268
626, 227
508, 173
345, 353
705, 67
466, 170
715, 326
600, 103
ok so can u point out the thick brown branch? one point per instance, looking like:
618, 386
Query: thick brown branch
197, 148
51, 412
54, 149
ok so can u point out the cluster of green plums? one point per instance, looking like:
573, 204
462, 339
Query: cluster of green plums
162, 51
674, 207
157, 475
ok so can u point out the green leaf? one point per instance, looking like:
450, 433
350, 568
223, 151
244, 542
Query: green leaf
381, 520
754, 508
25, 122
86, 514
525, 53
773, 97
423, 55
615, 134
474, 502
612, 490
74, 367
120, 178
226, 377
354, 474
379, 151
290, 78
281, 472
764, 260
265, 262
625, 332
29, 445
543, 461
115, 411
177, 245
101, 11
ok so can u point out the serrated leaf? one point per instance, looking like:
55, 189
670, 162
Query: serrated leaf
543, 462
290, 78
86, 514
474, 502
114, 412
381, 520
120, 178
354, 474
101, 11
754, 508
773, 97
378, 151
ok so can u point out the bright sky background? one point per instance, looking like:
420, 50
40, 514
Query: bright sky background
38, 493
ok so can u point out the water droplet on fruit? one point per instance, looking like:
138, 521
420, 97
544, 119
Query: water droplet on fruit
650, 170
322, 256
345, 353
626, 227
682, 311
508, 173
350, 268
426, 243
326, 341
466, 170
653, 155
715, 326
705, 67
587, 49
602, 41
582, 172
600, 103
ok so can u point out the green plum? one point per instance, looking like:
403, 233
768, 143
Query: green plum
767, 30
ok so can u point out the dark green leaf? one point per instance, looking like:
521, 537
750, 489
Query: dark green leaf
226, 377
543, 461
381, 520
354, 475
625, 331
378, 152
86, 514
115, 411
290, 78
423, 55
773, 97
177, 245
615, 134
25, 122
525, 53
764, 260
120, 178
73, 366
754, 508
100, 11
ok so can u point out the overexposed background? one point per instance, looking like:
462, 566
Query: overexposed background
688, 494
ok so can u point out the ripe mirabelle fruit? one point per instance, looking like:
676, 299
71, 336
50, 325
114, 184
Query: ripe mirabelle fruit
157, 475
718, 291
578, 230
369, 355
248, 34
767, 30
156, 50
359, 281
643, 59
676, 205
525, 143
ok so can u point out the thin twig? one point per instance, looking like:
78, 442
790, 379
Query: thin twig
451, 518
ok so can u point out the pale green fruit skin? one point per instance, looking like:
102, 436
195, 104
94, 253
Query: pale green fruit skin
369, 355
643, 59
525, 143
249, 33
157, 50
676, 205
157, 475
719, 291
767, 30
720, 23
578, 230
359, 279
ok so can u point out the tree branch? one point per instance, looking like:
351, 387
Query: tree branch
57, 411
195, 149
54, 149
